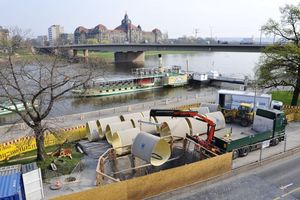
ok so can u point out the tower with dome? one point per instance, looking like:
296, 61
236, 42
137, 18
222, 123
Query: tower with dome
126, 32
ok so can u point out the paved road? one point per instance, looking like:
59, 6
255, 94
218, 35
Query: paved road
277, 180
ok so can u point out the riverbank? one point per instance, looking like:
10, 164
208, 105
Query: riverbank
110, 55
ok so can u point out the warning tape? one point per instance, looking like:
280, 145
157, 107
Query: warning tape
27, 143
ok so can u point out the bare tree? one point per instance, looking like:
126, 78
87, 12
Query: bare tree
35, 84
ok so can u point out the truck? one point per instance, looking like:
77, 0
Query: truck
268, 126
231, 99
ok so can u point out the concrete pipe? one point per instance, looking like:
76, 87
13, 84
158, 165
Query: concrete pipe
124, 138
102, 123
150, 148
111, 128
213, 107
203, 110
92, 131
196, 126
146, 113
175, 127
161, 120
217, 118
129, 116
147, 127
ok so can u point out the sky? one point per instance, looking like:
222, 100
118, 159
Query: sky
219, 18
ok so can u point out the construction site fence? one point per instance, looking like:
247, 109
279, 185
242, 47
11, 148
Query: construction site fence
159, 182
25, 143
292, 113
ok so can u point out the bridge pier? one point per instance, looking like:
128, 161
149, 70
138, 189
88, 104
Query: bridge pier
74, 53
134, 57
86, 55
56, 52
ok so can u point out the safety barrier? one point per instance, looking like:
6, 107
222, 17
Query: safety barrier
28, 143
187, 107
291, 109
292, 112
159, 182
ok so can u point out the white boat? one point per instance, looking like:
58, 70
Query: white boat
19, 105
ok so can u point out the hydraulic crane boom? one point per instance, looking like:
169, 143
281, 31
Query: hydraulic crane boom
179, 113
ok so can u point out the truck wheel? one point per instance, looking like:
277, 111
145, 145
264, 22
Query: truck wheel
274, 142
244, 151
228, 120
244, 122
235, 154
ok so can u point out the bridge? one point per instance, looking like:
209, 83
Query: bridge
135, 52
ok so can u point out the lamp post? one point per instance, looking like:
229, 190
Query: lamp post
260, 36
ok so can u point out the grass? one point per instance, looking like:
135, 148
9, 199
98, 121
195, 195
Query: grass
110, 55
104, 55
64, 165
284, 96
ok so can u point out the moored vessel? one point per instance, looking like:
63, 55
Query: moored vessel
140, 80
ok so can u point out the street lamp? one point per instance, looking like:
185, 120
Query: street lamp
260, 36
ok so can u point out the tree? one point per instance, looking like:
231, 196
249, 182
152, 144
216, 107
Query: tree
280, 63
36, 83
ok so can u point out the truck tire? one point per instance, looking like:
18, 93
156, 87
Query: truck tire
244, 122
244, 151
228, 120
235, 154
274, 142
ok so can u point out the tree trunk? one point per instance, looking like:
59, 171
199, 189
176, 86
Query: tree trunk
295, 96
40, 138
296, 90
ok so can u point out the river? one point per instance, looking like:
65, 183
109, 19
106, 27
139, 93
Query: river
225, 63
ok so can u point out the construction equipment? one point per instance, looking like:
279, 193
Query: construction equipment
268, 128
179, 113
243, 115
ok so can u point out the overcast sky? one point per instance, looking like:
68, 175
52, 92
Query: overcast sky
224, 18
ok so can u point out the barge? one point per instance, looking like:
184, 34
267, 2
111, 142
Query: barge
140, 80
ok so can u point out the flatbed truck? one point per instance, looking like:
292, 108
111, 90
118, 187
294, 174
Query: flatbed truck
269, 125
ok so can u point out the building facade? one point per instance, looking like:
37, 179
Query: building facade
42, 40
126, 32
66, 38
54, 32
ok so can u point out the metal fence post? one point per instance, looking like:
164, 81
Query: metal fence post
260, 153
285, 143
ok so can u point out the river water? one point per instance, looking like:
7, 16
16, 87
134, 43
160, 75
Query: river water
226, 63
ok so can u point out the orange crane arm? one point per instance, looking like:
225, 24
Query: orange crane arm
179, 113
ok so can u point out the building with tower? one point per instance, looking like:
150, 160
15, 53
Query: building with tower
126, 32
